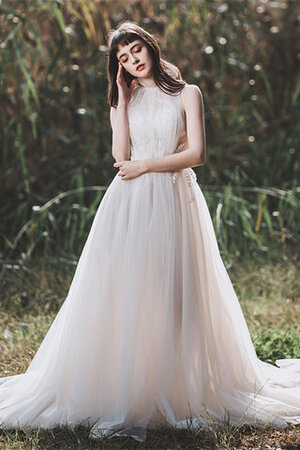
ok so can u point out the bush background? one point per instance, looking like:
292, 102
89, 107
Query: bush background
55, 133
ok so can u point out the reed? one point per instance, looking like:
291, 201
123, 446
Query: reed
54, 124
253, 220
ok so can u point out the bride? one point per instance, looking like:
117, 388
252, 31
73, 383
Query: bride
151, 332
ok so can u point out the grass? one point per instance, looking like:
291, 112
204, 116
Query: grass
222, 437
245, 220
269, 296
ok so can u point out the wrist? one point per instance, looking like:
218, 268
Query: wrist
146, 166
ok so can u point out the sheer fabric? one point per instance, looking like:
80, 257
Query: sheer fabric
151, 332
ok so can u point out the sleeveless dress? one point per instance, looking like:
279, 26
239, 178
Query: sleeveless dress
151, 332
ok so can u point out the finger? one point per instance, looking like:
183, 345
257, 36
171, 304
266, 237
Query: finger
119, 73
132, 84
120, 67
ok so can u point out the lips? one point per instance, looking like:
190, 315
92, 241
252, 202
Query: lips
140, 67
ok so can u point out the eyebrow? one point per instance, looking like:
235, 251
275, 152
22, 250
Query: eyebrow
129, 49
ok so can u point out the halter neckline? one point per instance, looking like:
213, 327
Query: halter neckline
145, 85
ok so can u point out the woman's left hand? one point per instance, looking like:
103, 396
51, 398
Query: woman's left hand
130, 169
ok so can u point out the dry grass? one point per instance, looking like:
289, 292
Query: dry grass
220, 437
269, 293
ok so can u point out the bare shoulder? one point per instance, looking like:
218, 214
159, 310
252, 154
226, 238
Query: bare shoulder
191, 91
191, 96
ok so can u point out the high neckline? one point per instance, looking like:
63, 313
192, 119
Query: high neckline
143, 84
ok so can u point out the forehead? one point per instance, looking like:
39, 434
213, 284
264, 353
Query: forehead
123, 48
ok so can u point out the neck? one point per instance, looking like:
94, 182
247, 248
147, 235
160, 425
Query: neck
147, 82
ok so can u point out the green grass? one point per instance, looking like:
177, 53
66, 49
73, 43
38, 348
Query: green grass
270, 298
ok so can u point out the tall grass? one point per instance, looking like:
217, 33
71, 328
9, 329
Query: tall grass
245, 220
54, 125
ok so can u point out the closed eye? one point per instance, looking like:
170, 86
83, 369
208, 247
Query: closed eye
136, 51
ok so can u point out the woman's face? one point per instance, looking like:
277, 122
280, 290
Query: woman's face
135, 58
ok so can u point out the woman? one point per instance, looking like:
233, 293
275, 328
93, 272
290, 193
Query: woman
151, 332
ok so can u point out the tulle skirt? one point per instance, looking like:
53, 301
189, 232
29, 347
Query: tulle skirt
151, 332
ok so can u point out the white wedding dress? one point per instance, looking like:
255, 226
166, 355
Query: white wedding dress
151, 332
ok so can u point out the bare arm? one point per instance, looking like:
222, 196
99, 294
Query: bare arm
119, 119
195, 154
120, 133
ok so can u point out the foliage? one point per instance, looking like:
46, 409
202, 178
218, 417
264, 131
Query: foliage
55, 132
276, 344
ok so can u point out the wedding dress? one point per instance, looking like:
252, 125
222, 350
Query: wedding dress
151, 332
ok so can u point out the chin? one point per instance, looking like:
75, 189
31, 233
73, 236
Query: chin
146, 75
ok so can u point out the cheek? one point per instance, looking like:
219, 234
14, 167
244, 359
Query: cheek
125, 66
128, 68
146, 56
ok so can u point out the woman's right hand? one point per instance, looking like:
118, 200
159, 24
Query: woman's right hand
123, 90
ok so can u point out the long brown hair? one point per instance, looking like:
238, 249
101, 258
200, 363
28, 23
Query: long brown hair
166, 75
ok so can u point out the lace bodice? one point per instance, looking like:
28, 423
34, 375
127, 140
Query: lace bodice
157, 127
156, 122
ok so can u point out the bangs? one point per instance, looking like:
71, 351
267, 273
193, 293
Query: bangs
123, 38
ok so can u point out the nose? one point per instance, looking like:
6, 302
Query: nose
134, 59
